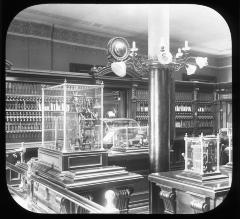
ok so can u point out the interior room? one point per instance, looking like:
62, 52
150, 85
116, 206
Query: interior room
118, 108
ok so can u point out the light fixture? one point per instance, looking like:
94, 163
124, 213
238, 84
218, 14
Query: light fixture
164, 57
134, 49
179, 53
186, 47
119, 68
201, 62
122, 57
183, 59
190, 69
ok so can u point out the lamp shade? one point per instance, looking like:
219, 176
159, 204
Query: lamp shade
191, 69
165, 57
119, 68
201, 62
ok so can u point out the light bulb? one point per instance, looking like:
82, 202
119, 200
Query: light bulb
186, 47
165, 57
179, 53
134, 44
191, 69
201, 62
119, 68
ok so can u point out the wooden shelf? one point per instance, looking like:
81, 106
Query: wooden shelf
24, 95
17, 110
20, 131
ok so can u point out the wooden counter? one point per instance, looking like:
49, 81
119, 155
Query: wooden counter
137, 162
183, 196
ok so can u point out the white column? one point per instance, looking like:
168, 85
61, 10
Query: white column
158, 28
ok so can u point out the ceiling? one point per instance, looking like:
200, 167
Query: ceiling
204, 28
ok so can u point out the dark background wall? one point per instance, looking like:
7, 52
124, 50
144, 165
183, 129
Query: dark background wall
32, 53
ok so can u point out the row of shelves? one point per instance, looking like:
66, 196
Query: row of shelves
24, 105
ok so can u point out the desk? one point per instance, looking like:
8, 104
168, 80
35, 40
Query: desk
182, 196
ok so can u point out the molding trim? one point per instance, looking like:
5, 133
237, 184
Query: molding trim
56, 41
218, 67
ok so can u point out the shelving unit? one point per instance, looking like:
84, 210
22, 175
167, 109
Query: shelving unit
23, 104
194, 109
142, 110
204, 113
23, 112
183, 112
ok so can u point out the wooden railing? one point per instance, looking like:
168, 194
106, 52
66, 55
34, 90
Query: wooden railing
84, 204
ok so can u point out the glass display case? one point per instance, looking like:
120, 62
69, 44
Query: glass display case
124, 134
202, 158
72, 121
72, 117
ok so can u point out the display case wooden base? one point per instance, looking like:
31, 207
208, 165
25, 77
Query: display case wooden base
200, 178
63, 161
173, 195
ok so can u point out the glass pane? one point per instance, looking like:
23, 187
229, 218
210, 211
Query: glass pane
72, 117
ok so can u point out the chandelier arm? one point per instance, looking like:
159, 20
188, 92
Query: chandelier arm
190, 57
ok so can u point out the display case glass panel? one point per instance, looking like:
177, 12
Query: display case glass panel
72, 117
202, 154
123, 134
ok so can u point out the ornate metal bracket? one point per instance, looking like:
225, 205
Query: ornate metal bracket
168, 195
200, 204
122, 199
118, 50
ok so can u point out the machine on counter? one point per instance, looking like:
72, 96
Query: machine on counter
124, 134
202, 158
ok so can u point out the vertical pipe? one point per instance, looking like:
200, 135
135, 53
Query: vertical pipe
218, 153
201, 152
186, 151
101, 140
171, 111
43, 117
64, 149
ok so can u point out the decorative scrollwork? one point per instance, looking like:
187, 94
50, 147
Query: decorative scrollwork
168, 196
122, 199
119, 51
199, 206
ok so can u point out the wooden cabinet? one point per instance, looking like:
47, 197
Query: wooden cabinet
194, 108
174, 195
